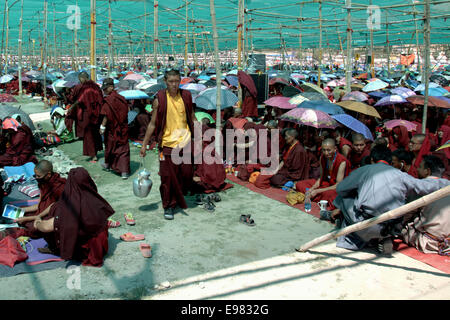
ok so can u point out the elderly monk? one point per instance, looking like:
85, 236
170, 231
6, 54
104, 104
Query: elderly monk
51, 186
115, 129
344, 146
359, 151
429, 230
295, 163
173, 124
87, 100
19, 144
420, 146
334, 167
78, 229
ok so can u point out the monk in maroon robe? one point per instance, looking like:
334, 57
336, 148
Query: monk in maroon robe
176, 179
359, 151
344, 145
334, 167
87, 100
78, 229
115, 130
398, 138
19, 148
51, 185
295, 163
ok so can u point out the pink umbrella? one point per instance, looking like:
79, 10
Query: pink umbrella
10, 123
310, 117
280, 102
355, 96
133, 76
399, 122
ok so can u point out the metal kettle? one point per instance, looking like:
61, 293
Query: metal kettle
142, 184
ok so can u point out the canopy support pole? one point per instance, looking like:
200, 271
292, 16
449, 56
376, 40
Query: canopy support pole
320, 44
186, 43
388, 44
93, 23
218, 80
427, 63
348, 64
20, 49
110, 40
155, 38
44, 52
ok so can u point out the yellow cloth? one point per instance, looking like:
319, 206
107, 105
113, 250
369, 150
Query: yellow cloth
294, 197
176, 132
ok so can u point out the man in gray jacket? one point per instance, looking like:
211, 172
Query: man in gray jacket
373, 190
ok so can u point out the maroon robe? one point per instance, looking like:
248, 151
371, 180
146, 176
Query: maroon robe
176, 180
50, 193
296, 166
327, 179
86, 116
80, 221
117, 148
142, 120
357, 158
249, 106
343, 142
20, 150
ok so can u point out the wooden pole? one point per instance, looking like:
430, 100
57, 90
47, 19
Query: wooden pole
110, 48
20, 48
7, 37
427, 63
55, 59
348, 64
300, 54
392, 214
239, 41
218, 80
93, 44
193, 39
145, 34
186, 43
419, 66
372, 55
320, 43
388, 44
155, 38
44, 55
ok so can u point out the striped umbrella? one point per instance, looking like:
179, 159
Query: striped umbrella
310, 117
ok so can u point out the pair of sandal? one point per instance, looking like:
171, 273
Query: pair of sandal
128, 218
145, 248
207, 201
245, 219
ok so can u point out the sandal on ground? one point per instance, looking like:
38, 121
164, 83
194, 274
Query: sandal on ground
168, 214
209, 206
105, 166
129, 219
146, 250
245, 219
113, 223
129, 237
326, 215
200, 199
215, 197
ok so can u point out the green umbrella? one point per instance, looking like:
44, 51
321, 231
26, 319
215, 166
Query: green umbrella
201, 115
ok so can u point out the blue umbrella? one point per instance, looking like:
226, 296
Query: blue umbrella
207, 99
326, 107
203, 77
131, 116
353, 124
435, 92
378, 94
134, 94
233, 80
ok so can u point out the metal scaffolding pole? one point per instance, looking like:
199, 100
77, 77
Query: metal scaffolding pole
348, 64
426, 64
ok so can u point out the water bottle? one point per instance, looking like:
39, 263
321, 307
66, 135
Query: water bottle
307, 201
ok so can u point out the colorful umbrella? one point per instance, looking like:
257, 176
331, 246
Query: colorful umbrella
403, 92
399, 122
432, 101
10, 123
445, 145
207, 99
134, 76
359, 107
310, 87
310, 117
326, 107
421, 87
298, 99
355, 96
393, 99
186, 80
280, 102
134, 94
6, 78
374, 85
353, 124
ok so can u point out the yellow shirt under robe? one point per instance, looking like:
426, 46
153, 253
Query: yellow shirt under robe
176, 132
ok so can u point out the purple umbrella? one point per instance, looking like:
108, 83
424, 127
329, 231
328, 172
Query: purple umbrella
353, 124
403, 92
394, 99
280, 102
310, 117
378, 94
355, 96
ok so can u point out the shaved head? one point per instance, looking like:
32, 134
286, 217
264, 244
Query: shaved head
292, 133
329, 142
420, 137
237, 112
44, 167
358, 137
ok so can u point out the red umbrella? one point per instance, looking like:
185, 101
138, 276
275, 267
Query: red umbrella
10, 123
432, 101
247, 81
